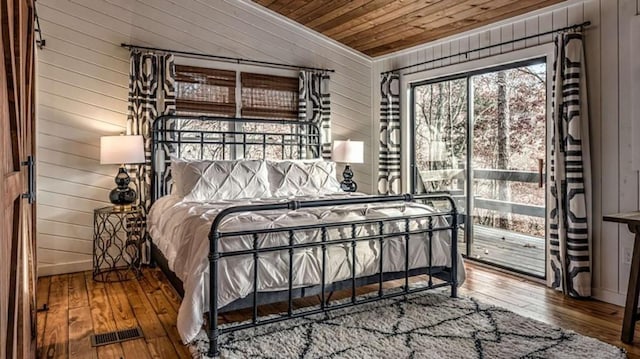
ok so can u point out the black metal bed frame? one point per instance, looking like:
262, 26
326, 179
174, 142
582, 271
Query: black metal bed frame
226, 138
171, 136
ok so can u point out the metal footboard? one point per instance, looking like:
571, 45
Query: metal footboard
215, 255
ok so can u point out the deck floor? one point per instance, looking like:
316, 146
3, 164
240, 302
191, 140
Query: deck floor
512, 250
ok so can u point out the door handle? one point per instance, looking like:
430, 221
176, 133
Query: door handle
31, 179
540, 168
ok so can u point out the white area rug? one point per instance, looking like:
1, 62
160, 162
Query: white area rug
426, 325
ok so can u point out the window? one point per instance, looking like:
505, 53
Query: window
481, 137
204, 91
267, 96
211, 92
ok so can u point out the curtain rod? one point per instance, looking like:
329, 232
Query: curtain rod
466, 53
236, 60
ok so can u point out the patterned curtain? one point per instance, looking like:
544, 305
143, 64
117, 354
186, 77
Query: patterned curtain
570, 202
151, 94
314, 105
389, 179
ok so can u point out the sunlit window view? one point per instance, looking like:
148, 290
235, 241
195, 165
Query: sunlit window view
481, 138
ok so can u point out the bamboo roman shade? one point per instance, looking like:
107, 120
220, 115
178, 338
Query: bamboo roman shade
205, 91
268, 96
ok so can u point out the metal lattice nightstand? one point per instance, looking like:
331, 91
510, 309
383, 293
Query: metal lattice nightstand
117, 243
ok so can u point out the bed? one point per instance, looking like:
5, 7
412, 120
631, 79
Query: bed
273, 226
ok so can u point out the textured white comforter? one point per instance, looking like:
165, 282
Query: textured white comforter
180, 230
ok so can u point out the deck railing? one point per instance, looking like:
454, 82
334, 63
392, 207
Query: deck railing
508, 248
489, 174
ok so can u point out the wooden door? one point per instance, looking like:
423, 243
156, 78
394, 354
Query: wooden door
17, 245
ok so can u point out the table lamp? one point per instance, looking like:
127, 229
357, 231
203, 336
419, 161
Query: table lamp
122, 150
348, 152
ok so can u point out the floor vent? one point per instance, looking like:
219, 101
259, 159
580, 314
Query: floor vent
116, 337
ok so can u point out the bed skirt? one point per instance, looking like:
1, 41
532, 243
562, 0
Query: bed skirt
158, 258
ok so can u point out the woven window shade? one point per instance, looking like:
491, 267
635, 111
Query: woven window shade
268, 96
205, 90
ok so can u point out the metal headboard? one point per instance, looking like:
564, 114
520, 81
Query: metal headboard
226, 138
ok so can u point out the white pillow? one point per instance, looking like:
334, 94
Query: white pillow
221, 180
175, 168
302, 178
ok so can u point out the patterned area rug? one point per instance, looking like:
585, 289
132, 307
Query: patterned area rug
426, 325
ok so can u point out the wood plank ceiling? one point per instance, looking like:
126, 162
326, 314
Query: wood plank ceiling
378, 27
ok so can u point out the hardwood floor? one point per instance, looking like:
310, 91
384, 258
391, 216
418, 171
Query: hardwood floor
79, 306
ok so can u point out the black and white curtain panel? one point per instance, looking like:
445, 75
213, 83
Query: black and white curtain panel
151, 94
314, 104
570, 172
389, 178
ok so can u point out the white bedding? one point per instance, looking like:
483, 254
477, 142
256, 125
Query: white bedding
180, 230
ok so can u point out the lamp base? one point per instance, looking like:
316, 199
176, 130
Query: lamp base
122, 195
348, 184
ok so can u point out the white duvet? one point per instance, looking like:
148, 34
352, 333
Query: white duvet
180, 230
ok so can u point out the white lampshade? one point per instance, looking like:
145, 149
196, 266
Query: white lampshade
121, 149
348, 151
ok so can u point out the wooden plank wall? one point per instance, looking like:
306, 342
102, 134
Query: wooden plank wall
82, 94
608, 52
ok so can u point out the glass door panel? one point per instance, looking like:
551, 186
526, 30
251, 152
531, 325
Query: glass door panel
440, 145
500, 135
509, 131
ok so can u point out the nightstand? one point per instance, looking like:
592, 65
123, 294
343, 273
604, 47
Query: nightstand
119, 233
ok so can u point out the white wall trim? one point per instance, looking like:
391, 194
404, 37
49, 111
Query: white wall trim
608, 296
62, 268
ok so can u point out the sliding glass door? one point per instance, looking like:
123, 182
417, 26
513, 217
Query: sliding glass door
481, 137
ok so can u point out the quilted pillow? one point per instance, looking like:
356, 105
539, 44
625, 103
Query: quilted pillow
221, 180
302, 178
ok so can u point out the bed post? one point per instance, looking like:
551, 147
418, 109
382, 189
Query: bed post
214, 256
454, 250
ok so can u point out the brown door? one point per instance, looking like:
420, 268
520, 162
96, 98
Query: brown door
17, 245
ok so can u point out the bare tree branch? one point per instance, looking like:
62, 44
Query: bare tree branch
528, 71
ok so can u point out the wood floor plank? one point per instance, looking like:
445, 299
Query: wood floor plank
42, 298
42, 291
110, 351
143, 310
136, 349
77, 291
55, 343
126, 319
122, 312
161, 348
166, 313
80, 330
55, 339
102, 317
59, 291
172, 296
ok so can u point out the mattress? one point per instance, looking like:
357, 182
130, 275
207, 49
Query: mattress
180, 231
